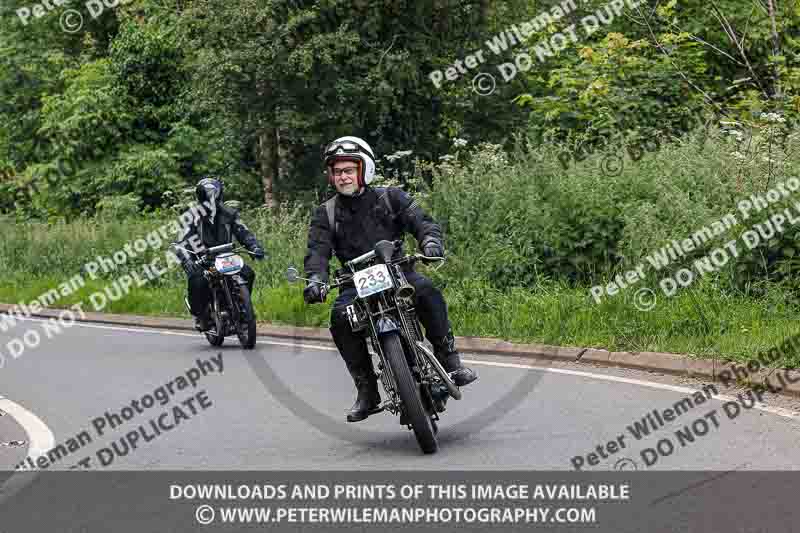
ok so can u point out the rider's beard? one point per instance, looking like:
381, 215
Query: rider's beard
348, 190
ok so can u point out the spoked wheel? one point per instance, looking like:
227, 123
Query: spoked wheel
215, 337
247, 320
409, 392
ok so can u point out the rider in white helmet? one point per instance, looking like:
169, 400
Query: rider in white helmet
349, 225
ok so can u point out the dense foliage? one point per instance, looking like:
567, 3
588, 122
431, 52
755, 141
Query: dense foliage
127, 112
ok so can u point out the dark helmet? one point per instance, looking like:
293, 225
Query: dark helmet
208, 190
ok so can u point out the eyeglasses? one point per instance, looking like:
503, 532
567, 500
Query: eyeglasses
349, 171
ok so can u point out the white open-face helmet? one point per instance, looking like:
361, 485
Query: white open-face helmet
351, 149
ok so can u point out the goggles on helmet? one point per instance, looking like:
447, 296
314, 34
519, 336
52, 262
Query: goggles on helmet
346, 147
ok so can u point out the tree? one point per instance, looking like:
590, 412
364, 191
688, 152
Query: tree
293, 75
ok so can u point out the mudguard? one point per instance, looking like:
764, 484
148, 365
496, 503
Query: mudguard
386, 325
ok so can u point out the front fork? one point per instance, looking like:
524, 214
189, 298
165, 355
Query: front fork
386, 325
384, 372
228, 283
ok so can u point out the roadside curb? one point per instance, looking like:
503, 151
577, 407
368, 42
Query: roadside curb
666, 363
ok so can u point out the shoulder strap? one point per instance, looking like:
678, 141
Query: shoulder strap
330, 207
383, 192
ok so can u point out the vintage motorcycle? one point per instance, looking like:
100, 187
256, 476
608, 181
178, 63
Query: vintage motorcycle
230, 307
416, 384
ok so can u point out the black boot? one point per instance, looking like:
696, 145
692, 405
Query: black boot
368, 400
446, 353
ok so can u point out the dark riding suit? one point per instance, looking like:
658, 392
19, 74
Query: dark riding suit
225, 227
362, 221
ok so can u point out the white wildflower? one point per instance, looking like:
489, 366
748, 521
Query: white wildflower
458, 143
773, 117
398, 155
736, 133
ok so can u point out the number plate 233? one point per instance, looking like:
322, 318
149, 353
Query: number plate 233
372, 280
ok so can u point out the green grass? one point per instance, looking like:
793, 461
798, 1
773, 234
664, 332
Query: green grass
704, 323
516, 232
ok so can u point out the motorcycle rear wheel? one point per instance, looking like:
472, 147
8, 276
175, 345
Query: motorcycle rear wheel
408, 389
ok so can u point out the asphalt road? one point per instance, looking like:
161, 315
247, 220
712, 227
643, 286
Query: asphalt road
281, 406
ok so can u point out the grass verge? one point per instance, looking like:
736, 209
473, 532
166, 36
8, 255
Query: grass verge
703, 322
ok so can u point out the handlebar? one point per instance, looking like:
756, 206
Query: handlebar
222, 248
410, 259
370, 255
213, 251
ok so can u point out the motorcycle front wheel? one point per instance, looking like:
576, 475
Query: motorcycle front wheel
246, 330
215, 337
408, 389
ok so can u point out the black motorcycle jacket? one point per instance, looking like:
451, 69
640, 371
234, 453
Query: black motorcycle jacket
225, 227
360, 222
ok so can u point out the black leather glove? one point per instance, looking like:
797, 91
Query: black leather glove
432, 248
314, 292
258, 253
191, 267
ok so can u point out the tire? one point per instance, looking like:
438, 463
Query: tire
215, 340
246, 330
408, 389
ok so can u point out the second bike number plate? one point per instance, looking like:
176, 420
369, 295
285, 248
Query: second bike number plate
372, 280
228, 264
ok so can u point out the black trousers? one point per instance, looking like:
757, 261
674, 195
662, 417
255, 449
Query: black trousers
431, 310
200, 291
